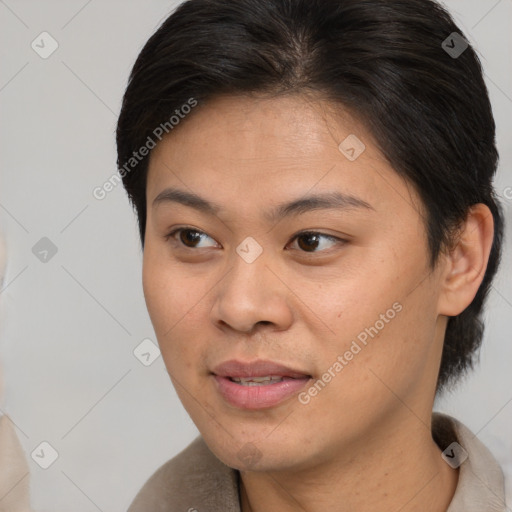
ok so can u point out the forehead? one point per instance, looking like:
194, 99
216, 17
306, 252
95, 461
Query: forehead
286, 126
269, 149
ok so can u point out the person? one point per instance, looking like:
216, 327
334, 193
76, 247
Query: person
14, 470
313, 185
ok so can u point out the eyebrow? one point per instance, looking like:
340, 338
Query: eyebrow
322, 201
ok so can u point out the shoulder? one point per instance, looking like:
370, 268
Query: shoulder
194, 479
481, 481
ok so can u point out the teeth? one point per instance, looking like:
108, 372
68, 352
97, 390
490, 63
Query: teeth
257, 381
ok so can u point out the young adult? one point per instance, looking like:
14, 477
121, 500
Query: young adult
312, 180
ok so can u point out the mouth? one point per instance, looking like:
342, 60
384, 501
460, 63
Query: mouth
259, 384
259, 381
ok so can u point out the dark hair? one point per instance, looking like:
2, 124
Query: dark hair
384, 60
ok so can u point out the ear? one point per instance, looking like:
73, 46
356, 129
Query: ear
467, 261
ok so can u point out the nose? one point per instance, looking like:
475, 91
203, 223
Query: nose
252, 294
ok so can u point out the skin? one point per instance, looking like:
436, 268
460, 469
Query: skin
364, 440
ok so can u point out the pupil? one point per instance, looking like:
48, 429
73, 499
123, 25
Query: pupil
309, 237
187, 237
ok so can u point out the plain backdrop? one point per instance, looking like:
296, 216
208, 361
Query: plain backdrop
70, 324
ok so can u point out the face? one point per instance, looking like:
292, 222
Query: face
270, 251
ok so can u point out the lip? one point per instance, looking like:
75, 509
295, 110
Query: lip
258, 368
257, 397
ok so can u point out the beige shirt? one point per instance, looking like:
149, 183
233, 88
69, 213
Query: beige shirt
195, 480
14, 472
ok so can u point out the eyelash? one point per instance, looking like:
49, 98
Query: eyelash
298, 235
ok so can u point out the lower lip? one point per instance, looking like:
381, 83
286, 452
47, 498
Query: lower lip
258, 397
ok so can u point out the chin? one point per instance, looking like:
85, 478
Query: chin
243, 454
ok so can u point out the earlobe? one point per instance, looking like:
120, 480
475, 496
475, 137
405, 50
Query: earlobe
467, 261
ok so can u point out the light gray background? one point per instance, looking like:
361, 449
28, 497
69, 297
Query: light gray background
69, 326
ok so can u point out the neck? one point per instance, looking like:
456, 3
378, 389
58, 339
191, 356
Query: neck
399, 469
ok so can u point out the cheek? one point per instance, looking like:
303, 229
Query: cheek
361, 301
369, 378
157, 296
176, 305
161, 293
168, 293
383, 322
396, 344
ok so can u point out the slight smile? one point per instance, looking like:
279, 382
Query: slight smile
258, 384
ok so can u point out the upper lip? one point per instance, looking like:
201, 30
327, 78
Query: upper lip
259, 368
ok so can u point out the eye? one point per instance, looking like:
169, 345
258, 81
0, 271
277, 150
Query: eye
188, 237
308, 241
313, 240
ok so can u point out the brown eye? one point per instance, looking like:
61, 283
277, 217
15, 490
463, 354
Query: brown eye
188, 237
309, 241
